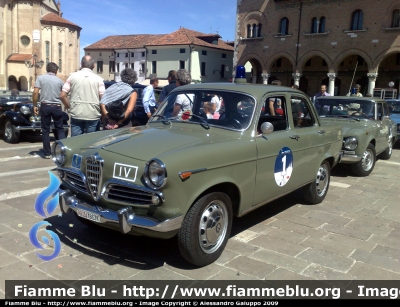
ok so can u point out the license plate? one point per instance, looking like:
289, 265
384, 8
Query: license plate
88, 215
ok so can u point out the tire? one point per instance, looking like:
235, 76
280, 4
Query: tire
315, 192
388, 151
365, 166
206, 229
11, 135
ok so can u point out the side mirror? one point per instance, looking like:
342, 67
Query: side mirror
267, 128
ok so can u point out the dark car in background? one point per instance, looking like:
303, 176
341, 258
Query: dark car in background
16, 117
394, 109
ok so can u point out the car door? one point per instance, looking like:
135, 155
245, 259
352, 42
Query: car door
384, 126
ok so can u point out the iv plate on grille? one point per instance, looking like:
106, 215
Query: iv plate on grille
94, 170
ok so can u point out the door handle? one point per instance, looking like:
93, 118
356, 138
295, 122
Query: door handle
321, 131
295, 137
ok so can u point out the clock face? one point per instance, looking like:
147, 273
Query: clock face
283, 166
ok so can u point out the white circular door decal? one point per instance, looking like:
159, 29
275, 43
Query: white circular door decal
283, 166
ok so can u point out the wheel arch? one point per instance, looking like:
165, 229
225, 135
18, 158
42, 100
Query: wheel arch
228, 188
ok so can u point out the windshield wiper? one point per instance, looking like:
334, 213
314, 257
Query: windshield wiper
204, 122
162, 116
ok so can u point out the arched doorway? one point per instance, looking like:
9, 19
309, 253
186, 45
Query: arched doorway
253, 71
388, 71
353, 70
282, 70
23, 83
315, 71
12, 83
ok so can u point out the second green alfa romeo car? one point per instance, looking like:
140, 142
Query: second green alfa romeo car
190, 170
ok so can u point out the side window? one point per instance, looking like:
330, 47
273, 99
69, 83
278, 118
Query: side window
379, 105
301, 112
385, 110
274, 111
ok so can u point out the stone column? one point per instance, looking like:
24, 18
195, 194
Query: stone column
265, 78
296, 77
331, 89
371, 84
254, 79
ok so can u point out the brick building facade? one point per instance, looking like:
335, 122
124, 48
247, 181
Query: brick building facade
311, 42
35, 27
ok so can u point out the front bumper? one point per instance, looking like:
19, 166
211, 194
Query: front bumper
36, 126
123, 219
350, 157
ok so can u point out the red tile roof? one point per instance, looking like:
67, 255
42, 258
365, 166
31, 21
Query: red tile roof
180, 37
18, 57
124, 41
54, 19
185, 36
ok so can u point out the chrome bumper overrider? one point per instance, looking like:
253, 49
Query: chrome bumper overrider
125, 218
350, 157
37, 127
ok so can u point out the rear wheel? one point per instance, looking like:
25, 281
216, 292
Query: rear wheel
206, 229
315, 192
365, 166
388, 152
11, 135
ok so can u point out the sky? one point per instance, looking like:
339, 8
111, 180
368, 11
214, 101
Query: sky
99, 19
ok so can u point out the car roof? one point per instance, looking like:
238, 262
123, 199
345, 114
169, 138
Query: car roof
376, 99
253, 89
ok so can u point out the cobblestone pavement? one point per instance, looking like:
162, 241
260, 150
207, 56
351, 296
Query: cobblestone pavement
353, 234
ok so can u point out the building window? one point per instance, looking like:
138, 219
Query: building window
142, 68
126, 54
126, 65
143, 54
322, 22
357, 20
181, 64
47, 52
99, 53
259, 30
314, 25
117, 67
203, 52
99, 66
133, 65
249, 31
112, 53
203, 69
222, 73
396, 19
132, 54
224, 55
25, 40
111, 66
182, 50
284, 26
59, 57
154, 67
117, 55
153, 51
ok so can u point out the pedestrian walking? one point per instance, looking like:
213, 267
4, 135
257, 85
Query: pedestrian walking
85, 89
49, 86
168, 88
148, 97
119, 100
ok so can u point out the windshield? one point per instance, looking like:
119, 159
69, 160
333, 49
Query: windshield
230, 110
394, 106
362, 109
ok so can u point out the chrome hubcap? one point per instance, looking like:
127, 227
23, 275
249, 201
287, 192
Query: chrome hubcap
213, 226
322, 181
367, 160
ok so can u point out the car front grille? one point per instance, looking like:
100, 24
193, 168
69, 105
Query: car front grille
131, 195
75, 179
94, 167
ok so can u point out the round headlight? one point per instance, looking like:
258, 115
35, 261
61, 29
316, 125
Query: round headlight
350, 143
155, 174
58, 153
25, 110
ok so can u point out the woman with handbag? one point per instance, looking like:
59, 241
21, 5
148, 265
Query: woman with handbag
119, 100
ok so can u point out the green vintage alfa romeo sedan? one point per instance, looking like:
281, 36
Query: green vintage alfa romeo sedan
210, 152
367, 129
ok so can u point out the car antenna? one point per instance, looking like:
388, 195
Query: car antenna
353, 77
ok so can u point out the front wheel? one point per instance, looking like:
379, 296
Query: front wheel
388, 151
206, 229
365, 166
11, 135
315, 192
